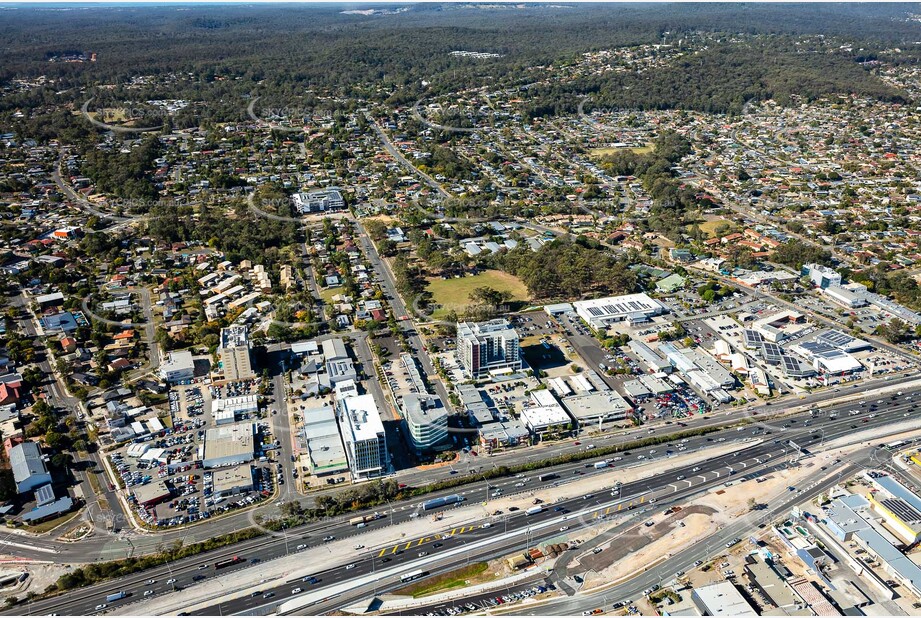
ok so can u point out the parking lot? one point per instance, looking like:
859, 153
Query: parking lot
162, 471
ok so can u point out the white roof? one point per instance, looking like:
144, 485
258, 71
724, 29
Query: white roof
615, 306
543, 416
363, 417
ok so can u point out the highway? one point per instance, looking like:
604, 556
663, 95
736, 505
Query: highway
663, 487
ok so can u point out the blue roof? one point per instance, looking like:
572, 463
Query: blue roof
62, 505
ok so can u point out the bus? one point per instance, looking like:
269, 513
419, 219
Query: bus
892, 446
229, 562
547, 477
408, 577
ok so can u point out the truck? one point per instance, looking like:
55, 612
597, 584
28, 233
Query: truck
362, 519
600, 464
222, 564
437, 503
115, 596
534, 510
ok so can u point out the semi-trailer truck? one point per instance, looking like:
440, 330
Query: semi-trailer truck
115, 596
534, 510
363, 519
437, 503
600, 464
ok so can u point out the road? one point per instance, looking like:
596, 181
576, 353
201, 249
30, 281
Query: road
396, 154
662, 486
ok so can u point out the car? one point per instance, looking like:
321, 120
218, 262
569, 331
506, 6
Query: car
327, 539
202, 566
564, 528
297, 590
301, 546
147, 593
101, 606
151, 581
268, 595
349, 567
436, 545
310, 579
697, 563
695, 469
680, 477
359, 546
423, 553
513, 508
171, 580
198, 578
255, 594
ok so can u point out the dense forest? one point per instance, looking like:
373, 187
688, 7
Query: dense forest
570, 269
221, 56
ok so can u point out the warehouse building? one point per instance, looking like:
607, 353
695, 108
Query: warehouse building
826, 359
845, 297
325, 453
722, 599
543, 411
152, 493
899, 506
229, 445
653, 361
229, 410
634, 308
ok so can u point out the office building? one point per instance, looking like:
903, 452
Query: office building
722, 599
318, 201
178, 367
821, 276
235, 353
488, 347
426, 422
365, 441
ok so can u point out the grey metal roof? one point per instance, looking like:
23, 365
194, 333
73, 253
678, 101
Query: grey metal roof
26, 460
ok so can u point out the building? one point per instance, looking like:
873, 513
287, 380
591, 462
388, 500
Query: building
722, 599
426, 421
48, 510
653, 361
178, 367
365, 441
235, 353
232, 481
29, 469
318, 201
899, 506
845, 297
47, 301
325, 453
226, 411
229, 445
152, 493
339, 367
488, 347
635, 308
826, 359
821, 276
543, 412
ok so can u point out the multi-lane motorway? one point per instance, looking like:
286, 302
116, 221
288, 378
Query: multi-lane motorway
388, 562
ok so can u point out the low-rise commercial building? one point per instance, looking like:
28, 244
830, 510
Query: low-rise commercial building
29, 469
722, 599
179, 366
325, 453
232, 481
235, 353
635, 308
229, 445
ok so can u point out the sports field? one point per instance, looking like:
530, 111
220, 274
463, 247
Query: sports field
455, 293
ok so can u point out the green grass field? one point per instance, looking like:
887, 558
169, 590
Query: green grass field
455, 293
709, 227
446, 581
600, 152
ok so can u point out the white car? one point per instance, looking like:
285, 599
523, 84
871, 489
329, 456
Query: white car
297, 591
301, 546
349, 567
147, 593
151, 581
564, 528
359, 546
486, 525
171, 580
101, 606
